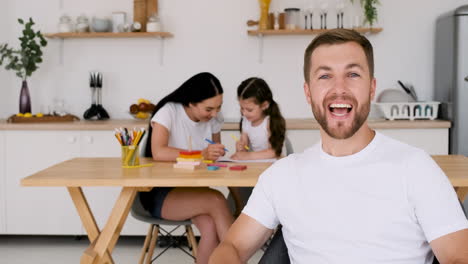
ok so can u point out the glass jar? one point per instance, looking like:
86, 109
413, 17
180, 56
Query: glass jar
65, 24
82, 24
153, 24
292, 18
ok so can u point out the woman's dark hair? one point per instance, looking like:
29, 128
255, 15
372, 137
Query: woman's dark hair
258, 89
198, 88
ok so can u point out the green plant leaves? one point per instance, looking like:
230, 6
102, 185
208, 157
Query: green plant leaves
26, 59
370, 11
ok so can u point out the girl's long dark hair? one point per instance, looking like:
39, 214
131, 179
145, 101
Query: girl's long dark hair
196, 89
259, 90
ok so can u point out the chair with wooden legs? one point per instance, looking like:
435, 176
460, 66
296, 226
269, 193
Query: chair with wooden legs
155, 230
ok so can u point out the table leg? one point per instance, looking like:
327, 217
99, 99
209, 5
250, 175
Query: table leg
87, 219
103, 243
111, 232
462, 193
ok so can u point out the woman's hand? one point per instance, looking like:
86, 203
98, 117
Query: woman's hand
213, 151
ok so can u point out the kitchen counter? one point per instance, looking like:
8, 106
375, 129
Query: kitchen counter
291, 124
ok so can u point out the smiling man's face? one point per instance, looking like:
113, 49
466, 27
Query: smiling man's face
340, 88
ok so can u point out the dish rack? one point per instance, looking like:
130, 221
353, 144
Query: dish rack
409, 110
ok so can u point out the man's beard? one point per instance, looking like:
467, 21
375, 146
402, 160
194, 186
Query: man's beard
340, 132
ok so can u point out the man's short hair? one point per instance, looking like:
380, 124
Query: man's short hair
339, 36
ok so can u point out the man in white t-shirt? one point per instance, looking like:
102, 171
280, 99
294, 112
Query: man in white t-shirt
357, 196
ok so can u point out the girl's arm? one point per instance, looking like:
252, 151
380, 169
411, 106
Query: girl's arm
242, 143
159, 144
263, 154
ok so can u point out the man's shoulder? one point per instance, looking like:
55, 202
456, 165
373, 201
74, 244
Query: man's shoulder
395, 149
295, 160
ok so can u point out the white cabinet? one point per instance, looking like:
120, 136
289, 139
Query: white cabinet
2, 184
38, 210
102, 199
50, 211
98, 144
434, 141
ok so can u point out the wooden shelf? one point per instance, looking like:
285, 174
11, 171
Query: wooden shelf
305, 31
110, 35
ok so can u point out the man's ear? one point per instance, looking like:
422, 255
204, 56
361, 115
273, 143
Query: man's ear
373, 88
307, 93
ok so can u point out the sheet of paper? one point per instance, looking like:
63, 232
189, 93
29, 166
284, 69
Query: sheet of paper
227, 159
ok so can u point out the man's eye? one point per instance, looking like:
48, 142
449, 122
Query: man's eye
324, 76
353, 74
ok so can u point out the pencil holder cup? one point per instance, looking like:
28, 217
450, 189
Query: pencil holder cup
130, 156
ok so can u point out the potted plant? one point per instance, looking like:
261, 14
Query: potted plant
24, 61
370, 11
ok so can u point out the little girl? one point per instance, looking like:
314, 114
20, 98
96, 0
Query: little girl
262, 126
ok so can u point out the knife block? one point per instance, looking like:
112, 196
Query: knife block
151, 7
139, 13
142, 9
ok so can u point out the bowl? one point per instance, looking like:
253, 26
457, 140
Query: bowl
101, 24
394, 95
141, 115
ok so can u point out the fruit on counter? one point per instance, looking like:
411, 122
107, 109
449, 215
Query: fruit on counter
142, 109
134, 108
142, 100
28, 115
142, 115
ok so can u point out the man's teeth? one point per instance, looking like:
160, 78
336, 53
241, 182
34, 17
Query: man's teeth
340, 105
336, 114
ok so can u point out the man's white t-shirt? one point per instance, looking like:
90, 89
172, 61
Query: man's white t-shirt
173, 117
258, 135
380, 205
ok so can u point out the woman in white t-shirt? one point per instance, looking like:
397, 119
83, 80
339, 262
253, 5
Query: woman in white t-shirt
191, 111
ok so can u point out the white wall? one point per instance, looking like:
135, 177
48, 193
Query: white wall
210, 35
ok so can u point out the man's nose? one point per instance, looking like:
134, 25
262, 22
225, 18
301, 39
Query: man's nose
340, 86
214, 114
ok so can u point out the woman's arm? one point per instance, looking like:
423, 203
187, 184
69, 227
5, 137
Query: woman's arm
159, 144
216, 137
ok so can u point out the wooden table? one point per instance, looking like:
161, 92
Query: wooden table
81, 172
